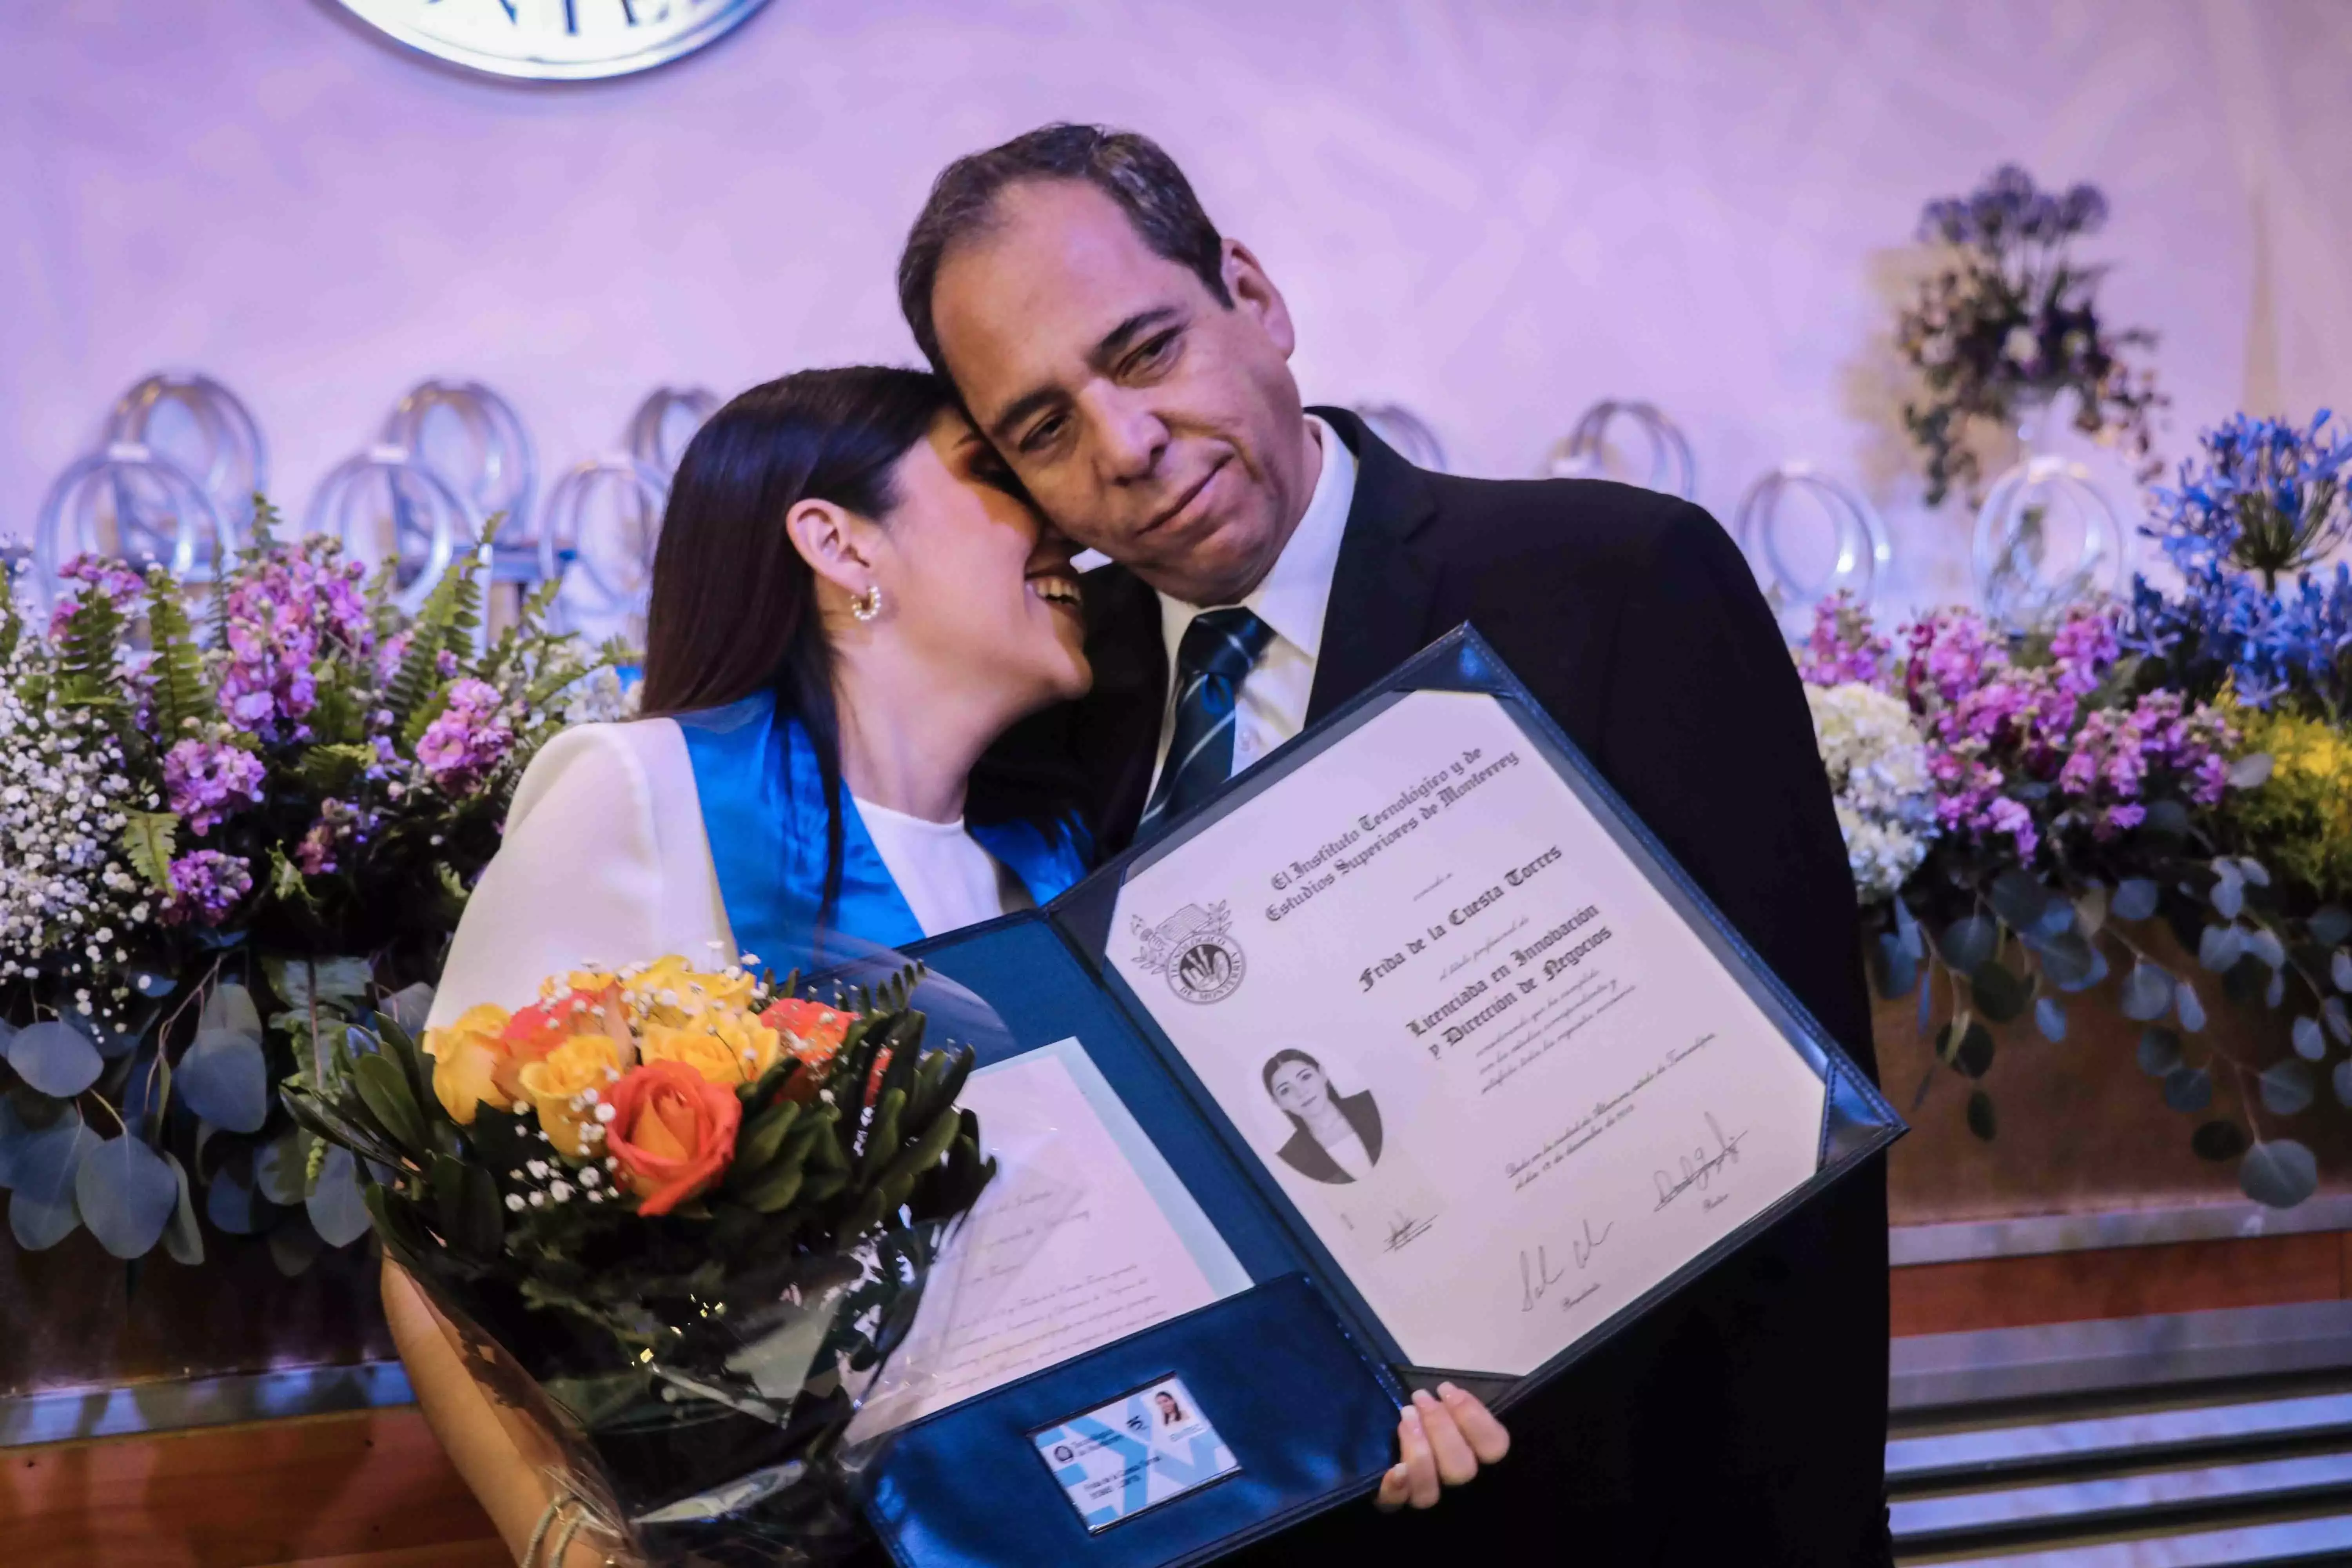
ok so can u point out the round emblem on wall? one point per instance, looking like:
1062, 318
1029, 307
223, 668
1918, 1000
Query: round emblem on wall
554, 40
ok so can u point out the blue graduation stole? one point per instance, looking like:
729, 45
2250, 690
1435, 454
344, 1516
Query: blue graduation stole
763, 797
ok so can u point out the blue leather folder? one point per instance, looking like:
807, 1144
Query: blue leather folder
1298, 1372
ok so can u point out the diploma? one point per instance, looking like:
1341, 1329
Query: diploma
1463, 1027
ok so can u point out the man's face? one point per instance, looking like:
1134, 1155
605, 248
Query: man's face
1147, 420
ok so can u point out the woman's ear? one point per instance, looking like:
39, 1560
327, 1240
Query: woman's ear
838, 545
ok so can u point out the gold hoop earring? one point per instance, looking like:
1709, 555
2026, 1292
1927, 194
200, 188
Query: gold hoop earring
869, 605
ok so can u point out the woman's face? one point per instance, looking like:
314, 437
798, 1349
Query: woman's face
1299, 1086
980, 588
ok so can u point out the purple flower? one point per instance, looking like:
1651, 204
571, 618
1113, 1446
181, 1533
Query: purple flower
2084, 646
283, 610
1844, 647
208, 780
98, 575
339, 823
205, 885
467, 739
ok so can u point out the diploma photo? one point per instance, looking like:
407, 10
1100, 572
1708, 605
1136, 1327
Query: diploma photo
1339, 1135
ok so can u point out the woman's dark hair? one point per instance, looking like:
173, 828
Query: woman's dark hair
734, 609
1274, 1065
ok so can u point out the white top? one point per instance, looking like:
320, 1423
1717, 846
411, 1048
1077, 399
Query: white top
1271, 706
1349, 1154
944, 875
605, 862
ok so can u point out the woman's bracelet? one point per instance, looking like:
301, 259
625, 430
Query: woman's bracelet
565, 1537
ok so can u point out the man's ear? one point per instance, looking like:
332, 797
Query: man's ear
838, 545
1255, 295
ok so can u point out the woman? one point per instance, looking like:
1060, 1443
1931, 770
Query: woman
1339, 1136
850, 603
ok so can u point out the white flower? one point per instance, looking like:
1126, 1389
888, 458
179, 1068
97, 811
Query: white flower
2020, 347
1878, 773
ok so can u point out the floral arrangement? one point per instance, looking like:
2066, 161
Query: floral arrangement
2009, 319
231, 829
690, 1214
2072, 804
2263, 501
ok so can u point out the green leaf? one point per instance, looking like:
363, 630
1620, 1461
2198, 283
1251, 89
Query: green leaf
303, 982
775, 1191
327, 769
2001, 993
1982, 1120
1967, 1047
180, 701
2218, 1141
2279, 1172
149, 842
442, 624
383, 1089
758, 1145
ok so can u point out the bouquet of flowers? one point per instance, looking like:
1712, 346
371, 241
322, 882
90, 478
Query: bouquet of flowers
2070, 804
232, 825
2008, 319
691, 1212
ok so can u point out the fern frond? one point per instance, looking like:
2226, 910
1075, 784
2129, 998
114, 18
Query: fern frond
444, 623
180, 698
88, 673
529, 626
148, 840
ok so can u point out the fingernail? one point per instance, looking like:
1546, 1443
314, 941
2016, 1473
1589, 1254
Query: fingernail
1421, 1396
1412, 1414
1447, 1391
1399, 1474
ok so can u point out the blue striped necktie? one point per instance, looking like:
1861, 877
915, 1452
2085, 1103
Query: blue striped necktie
1217, 654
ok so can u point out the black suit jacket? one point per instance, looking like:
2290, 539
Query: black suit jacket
1745, 1422
1308, 1156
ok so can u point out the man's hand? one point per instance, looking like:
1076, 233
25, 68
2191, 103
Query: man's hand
1442, 1441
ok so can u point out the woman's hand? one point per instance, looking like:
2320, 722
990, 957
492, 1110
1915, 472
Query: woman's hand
1443, 1440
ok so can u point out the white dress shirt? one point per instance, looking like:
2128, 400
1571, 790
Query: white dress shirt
1271, 706
946, 877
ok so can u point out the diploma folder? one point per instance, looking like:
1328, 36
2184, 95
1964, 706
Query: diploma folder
1302, 1372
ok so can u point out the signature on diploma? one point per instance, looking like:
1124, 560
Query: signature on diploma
1405, 1229
1537, 1275
1701, 1165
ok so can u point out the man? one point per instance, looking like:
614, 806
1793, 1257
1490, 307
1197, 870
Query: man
1131, 365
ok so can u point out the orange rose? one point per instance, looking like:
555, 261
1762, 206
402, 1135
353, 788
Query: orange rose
811, 1031
467, 1059
672, 1132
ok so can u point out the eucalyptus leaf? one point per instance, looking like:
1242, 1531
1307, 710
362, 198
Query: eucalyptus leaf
1999, 994
2089, 978
54, 1058
2050, 1018
224, 1078
2091, 909
1906, 929
2279, 1172
2339, 969
2166, 819
338, 1211
2218, 1141
126, 1195
2339, 1078
2159, 1051
1893, 971
2135, 898
2310, 1041
230, 1007
281, 1167
2274, 990
2287, 1088
2188, 1089
231, 1201
2228, 897
331, 982
45, 1164
2191, 1010
409, 1006
1965, 1047
293, 1245
2017, 897
2219, 946
2147, 994
184, 1238
2329, 924
2068, 959
2333, 1014
1982, 1120
1968, 942
2264, 944
2251, 770
2255, 873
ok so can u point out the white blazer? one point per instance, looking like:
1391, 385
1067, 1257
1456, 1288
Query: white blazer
605, 862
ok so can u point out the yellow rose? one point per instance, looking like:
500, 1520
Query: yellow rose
670, 992
465, 1058
723, 1047
558, 1084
